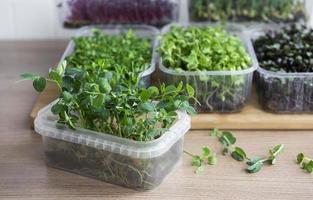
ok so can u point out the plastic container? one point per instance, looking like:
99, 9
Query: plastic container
142, 31
282, 92
136, 165
285, 93
248, 10
76, 13
234, 86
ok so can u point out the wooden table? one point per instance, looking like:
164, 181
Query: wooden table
24, 175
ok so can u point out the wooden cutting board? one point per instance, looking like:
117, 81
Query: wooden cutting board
252, 117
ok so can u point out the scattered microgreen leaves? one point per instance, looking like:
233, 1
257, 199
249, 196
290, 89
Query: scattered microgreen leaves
199, 161
305, 163
255, 164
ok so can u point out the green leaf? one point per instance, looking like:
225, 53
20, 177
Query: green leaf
215, 133
150, 122
153, 91
170, 89
256, 167
104, 85
61, 69
300, 158
97, 101
206, 151
227, 138
190, 110
277, 150
196, 161
39, 84
190, 90
212, 160
57, 109
29, 76
309, 166
147, 107
145, 95
253, 160
67, 96
53, 75
239, 154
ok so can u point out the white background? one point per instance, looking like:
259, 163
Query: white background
38, 19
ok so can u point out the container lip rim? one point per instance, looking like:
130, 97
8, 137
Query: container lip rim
284, 74
170, 137
244, 39
154, 31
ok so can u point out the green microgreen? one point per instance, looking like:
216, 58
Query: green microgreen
203, 49
99, 89
305, 162
255, 163
125, 55
199, 161
246, 10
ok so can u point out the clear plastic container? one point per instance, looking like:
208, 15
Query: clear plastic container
217, 91
282, 92
248, 10
136, 165
76, 13
285, 92
142, 31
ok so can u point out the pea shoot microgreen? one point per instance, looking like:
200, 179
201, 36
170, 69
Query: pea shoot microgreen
199, 161
255, 163
305, 162
104, 94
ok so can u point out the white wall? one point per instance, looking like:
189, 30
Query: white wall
38, 19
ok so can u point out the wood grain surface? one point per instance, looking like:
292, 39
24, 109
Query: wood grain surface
24, 175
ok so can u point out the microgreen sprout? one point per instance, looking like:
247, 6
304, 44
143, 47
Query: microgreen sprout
199, 161
202, 50
255, 163
103, 95
247, 10
305, 162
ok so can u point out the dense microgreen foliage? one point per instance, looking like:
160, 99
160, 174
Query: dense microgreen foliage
254, 163
305, 162
205, 49
99, 89
287, 50
130, 112
246, 10
82, 12
199, 161
111, 57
